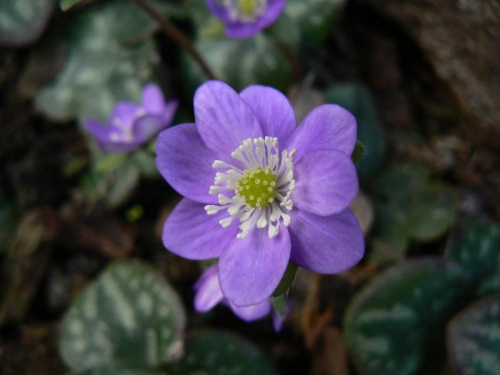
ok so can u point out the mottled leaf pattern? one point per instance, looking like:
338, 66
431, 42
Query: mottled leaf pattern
129, 318
387, 323
474, 339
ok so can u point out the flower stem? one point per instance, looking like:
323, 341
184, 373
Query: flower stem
176, 35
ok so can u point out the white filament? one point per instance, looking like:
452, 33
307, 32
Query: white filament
252, 154
237, 14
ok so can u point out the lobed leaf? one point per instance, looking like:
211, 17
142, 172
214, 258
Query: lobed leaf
473, 338
477, 248
129, 319
222, 353
387, 325
23, 21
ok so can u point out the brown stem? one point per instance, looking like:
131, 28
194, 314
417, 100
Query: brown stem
177, 35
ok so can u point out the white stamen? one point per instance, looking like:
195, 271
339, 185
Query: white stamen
258, 157
236, 13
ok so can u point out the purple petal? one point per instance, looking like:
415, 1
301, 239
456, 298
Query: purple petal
208, 292
218, 11
254, 312
193, 234
327, 127
223, 119
326, 182
326, 244
250, 269
152, 99
273, 11
146, 127
100, 131
125, 113
237, 30
273, 110
170, 110
278, 320
186, 163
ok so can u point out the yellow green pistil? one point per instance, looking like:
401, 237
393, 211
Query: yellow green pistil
257, 187
248, 7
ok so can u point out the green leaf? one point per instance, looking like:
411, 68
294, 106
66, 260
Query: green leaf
474, 338
110, 55
357, 154
286, 31
387, 325
130, 319
145, 162
67, 4
22, 21
357, 100
287, 280
221, 353
409, 205
279, 304
240, 63
477, 248
314, 18
112, 186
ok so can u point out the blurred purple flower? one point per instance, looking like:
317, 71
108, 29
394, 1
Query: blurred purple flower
209, 294
236, 213
246, 18
131, 125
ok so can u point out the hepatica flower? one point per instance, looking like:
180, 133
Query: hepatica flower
259, 190
245, 18
209, 294
131, 125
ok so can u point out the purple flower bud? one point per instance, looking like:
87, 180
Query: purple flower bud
246, 18
209, 294
131, 125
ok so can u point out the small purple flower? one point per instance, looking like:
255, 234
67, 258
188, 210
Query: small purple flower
209, 294
131, 125
260, 191
246, 18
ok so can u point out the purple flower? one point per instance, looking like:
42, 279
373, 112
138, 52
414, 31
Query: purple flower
131, 125
260, 191
209, 294
245, 18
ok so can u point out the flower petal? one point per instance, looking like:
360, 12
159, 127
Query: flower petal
193, 234
237, 30
125, 113
223, 119
273, 11
102, 134
273, 110
251, 313
326, 182
152, 99
146, 127
327, 127
326, 244
208, 292
218, 11
186, 163
250, 269
100, 131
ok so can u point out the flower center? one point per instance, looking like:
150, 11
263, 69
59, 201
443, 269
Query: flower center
257, 188
124, 131
245, 11
247, 7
